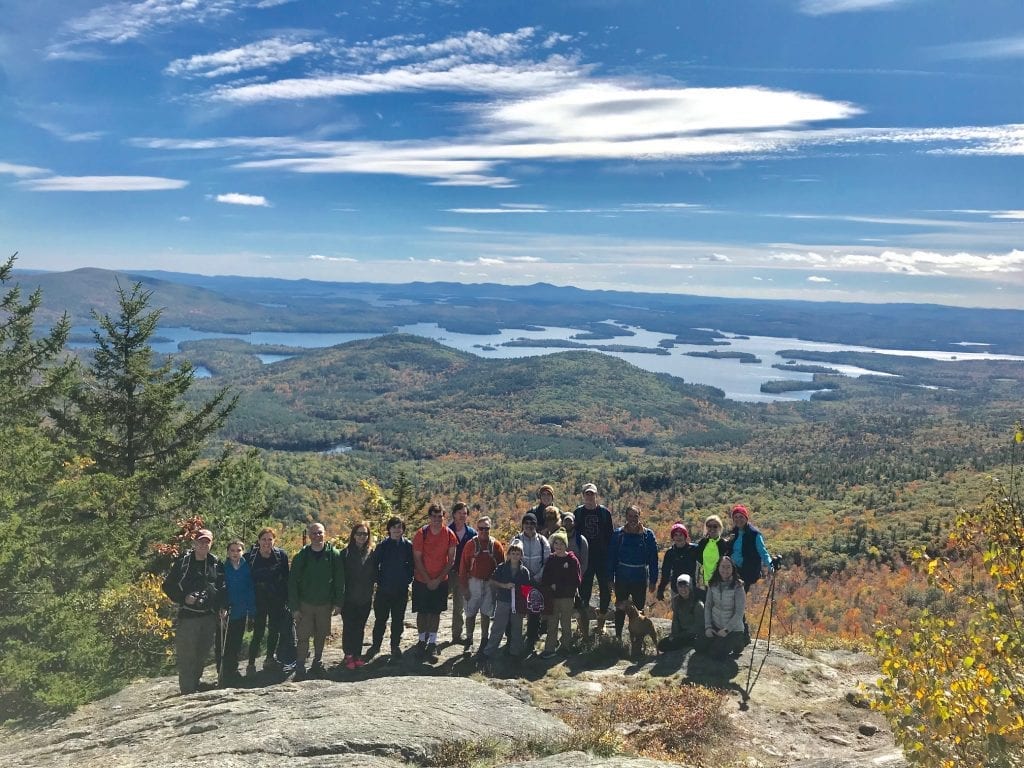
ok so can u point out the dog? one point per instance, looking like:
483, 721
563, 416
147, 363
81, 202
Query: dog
640, 627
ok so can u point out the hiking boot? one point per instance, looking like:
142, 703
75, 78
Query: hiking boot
421, 649
270, 664
300, 673
230, 679
250, 671
432, 652
373, 650
396, 653
602, 617
317, 671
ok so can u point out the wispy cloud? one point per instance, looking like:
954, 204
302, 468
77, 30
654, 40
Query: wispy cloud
264, 53
71, 136
995, 48
321, 257
103, 184
22, 171
928, 262
120, 22
826, 7
505, 209
818, 279
235, 198
1008, 215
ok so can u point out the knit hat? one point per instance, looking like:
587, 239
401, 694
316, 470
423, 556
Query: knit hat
739, 509
558, 536
529, 517
677, 528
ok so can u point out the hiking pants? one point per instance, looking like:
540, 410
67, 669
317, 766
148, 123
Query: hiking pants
267, 619
505, 619
192, 643
389, 604
315, 623
353, 627
561, 613
481, 598
596, 568
232, 647
458, 606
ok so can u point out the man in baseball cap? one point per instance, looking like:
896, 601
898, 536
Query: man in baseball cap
594, 521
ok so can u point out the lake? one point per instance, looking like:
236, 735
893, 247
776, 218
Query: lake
739, 381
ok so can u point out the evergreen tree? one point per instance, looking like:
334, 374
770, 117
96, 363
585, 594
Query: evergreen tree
128, 412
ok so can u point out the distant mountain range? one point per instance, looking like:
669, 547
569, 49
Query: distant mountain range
241, 304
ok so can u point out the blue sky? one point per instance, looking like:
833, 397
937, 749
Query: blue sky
853, 150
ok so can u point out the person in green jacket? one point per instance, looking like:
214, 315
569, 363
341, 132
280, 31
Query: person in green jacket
316, 591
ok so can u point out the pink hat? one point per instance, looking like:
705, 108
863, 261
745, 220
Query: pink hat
739, 509
676, 528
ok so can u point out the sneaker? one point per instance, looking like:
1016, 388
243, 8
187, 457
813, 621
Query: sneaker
432, 652
289, 668
300, 673
468, 645
421, 649
359, 662
396, 653
350, 663
250, 671
270, 664
317, 671
457, 640
373, 650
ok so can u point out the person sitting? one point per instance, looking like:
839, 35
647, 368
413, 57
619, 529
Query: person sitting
687, 617
723, 612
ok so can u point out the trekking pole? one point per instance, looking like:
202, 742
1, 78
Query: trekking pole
769, 608
223, 637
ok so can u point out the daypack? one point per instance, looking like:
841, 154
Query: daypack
477, 551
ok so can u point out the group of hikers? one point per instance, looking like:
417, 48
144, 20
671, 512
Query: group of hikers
540, 580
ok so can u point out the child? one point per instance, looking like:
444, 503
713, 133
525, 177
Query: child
241, 606
508, 582
559, 580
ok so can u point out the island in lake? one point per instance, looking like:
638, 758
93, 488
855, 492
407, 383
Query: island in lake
719, 354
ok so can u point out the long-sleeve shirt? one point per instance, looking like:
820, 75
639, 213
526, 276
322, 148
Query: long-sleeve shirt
394, 565
561, 576
677, 561
316, 578
633, 557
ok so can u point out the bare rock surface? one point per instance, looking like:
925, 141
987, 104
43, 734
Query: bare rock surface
375, 723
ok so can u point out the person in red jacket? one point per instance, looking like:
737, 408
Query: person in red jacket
560, 580
480, 557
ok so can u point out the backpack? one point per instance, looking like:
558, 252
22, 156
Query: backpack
477, 551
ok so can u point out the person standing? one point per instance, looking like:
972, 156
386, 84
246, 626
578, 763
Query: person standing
709, 550
316, 590
480, 558
360, 576
463, 533
580, 547
594, 521
195, 584
680, 558
545, 499
394, 574
749, 553
535, 553
560, 580
509, 581
433, 552
241, 602
269, 567
632, 564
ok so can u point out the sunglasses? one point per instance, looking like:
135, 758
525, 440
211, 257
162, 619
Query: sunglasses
483, 527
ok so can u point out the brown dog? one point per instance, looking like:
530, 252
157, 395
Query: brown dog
640, 627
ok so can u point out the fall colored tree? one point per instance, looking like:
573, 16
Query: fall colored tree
954, 690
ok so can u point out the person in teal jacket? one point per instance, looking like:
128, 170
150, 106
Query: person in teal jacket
316, 591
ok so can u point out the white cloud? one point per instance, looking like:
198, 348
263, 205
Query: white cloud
826, 7
120, 22
184, 219
1008, 215
264, 53
70, 136
496, 210
610, 111
103, 184
719, 258
996, 48
320, 257
818, 279
474, 77
235, 198
22, 171
933, 263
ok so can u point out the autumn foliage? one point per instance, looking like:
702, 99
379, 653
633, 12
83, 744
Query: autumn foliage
954, 689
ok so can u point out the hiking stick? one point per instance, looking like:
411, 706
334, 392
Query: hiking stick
769, 607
